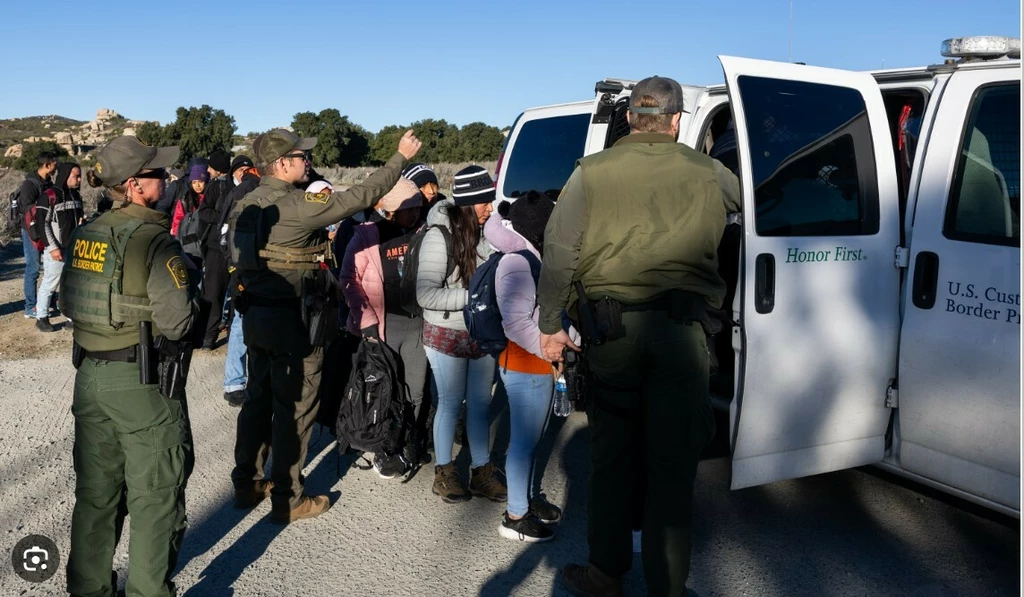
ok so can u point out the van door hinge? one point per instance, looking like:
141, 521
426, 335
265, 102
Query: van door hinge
892, 397
902, 257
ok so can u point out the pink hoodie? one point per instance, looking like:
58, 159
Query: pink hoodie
362, 281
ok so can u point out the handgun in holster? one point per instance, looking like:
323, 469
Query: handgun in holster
320, 307
77, 355
585, 313
175, 357
575, 371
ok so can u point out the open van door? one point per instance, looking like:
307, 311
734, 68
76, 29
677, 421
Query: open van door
820, 288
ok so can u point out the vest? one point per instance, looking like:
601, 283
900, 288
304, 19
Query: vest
656, 217
92, 285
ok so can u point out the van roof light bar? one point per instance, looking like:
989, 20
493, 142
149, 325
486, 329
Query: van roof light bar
981, 47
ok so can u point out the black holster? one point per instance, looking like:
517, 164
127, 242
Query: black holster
320, 307
175, 358
77, 355
576, 378
587, 318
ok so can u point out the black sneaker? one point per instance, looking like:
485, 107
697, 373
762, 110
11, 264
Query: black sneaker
527, 529
389, 467
236, 398
545, 511
43, 325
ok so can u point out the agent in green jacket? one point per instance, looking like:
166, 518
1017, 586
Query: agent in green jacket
279, 247
133, 446
639, 226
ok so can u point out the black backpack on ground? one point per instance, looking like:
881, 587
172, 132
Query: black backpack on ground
411, 268
372, 415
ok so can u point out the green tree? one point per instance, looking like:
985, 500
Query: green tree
339, 141
479, 142
385, 143
197, 131
28, 162
440, 141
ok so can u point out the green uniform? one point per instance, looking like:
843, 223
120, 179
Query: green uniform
284, 368
133, 447
633, 223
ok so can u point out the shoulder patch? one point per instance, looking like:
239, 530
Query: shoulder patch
317, 198
176, 265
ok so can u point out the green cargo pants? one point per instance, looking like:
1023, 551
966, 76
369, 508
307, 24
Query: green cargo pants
649, 408
278, 417
132, 455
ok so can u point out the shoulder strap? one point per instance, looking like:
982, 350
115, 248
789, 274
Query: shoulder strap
533, 261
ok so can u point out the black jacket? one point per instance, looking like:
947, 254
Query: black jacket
172, 193
248, 184
66, 212
217, 192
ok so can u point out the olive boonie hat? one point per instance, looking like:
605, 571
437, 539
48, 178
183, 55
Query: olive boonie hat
275, 143
126, 156
667, 92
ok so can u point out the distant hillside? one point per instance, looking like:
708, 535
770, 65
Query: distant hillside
76, 137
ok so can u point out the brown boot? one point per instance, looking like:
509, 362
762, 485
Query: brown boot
309, 507
486, 482
589, 581
247, 497
448, 485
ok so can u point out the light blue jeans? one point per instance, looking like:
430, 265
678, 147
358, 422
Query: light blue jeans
51, 278
31, 271
458, 380
234, 366
529, 405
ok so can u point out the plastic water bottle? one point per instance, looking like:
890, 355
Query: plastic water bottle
561, 405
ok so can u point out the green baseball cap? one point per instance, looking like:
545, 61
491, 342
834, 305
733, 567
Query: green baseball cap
273, 144
126, 156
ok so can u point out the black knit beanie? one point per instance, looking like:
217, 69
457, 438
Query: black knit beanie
529, 215
419, 174
472, 185
220, 161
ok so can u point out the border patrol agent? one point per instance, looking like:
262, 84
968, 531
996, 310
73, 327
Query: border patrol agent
133, 445
281, 251
631, 248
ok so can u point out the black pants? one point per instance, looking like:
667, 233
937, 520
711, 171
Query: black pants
215, 284
649, 409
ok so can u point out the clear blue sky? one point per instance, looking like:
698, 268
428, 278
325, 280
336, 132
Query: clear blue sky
397, 62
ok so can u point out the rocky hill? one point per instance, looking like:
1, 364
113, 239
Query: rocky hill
77, 137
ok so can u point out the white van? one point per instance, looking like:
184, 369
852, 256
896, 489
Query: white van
877, 307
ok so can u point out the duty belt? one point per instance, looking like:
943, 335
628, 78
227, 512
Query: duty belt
125, 355
276, 303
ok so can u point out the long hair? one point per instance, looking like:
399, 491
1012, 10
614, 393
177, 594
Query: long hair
465, 230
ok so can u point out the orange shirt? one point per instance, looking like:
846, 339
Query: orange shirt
518, 359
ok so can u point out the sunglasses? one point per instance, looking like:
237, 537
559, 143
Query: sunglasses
300, 155
158, 173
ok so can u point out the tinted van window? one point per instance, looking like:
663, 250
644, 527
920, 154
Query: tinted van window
544, 154
812, 158
984, 205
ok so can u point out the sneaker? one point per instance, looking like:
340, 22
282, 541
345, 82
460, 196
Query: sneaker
527, 529
310, 506
486, 482
448, 485
248, 497
236, 398
43, 325
545, 511
389, 467
638, 541
588, 581
30, 313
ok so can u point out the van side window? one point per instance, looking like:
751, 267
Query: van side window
544, 154
984, 204
812, 159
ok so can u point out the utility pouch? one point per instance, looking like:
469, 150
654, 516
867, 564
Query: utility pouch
320, 307
688, 307
608, 316
146, 355
77, 355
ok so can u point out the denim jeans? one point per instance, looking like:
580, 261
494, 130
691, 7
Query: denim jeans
51, 278
31, 271
529, 404
234, 366
458, 380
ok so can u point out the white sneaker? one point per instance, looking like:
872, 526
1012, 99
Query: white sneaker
637, 542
